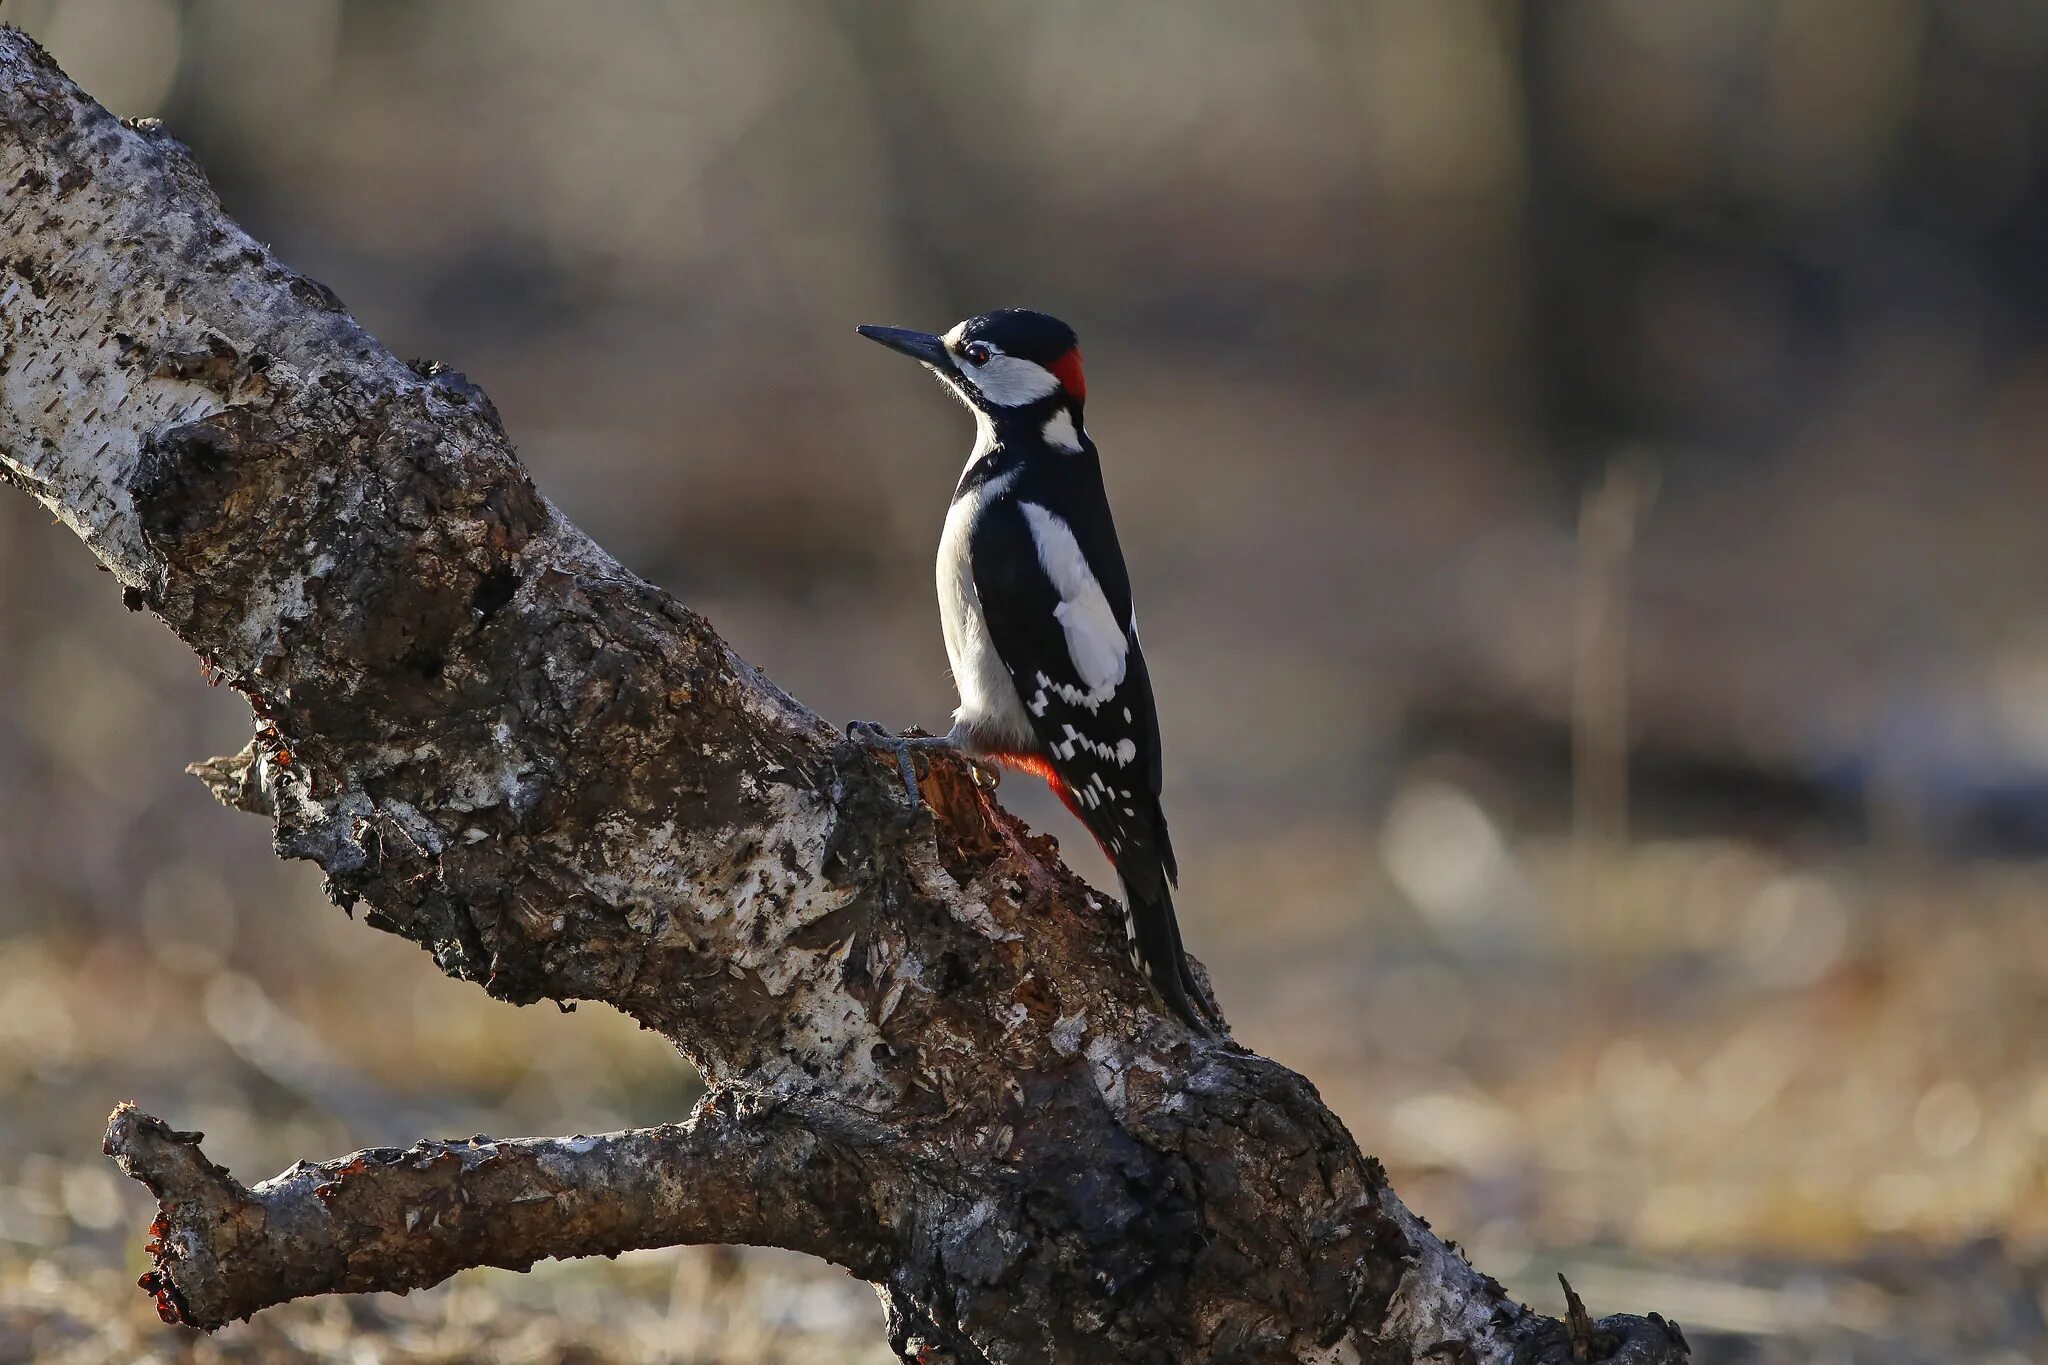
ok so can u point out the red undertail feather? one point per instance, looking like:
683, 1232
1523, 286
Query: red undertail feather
1039, 766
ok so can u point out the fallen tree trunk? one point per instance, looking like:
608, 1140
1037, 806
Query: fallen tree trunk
927, 1060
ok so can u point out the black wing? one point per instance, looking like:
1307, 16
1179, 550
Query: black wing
1103, 743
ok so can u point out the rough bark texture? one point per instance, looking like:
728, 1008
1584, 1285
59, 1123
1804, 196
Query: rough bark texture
400, 1219
928, 1061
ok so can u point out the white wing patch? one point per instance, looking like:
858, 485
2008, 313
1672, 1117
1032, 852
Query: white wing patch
1095, 641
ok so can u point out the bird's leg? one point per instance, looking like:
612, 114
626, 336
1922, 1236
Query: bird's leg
870, 732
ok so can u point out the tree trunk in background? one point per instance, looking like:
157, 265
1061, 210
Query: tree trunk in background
927, 1059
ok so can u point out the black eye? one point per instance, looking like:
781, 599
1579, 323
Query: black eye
977, 352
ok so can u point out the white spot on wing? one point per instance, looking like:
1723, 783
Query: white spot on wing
1095, 643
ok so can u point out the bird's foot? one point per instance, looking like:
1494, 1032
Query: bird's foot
869, 732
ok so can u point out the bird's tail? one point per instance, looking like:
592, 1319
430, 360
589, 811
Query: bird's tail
1154, 937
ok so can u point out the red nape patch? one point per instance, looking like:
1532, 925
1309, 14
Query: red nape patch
1067, 369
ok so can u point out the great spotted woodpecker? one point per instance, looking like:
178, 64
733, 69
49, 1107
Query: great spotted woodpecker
1036, 607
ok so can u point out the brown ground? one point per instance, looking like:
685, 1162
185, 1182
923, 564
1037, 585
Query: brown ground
1644, 1109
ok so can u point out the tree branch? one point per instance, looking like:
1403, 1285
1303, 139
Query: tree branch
562, 783
391, 1219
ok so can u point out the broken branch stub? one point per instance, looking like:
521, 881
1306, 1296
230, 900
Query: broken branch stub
404, 1219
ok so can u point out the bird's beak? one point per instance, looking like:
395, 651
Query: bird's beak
917, 345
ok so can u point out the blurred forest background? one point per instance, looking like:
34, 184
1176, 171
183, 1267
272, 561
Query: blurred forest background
1583, 465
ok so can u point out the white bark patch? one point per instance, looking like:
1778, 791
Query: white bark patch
91, 322
1441, 1297
1069, 1031
421, 832
51, 403
968, 905
1108, 1066
751, 892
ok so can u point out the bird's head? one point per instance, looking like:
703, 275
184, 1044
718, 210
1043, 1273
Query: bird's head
1008, 361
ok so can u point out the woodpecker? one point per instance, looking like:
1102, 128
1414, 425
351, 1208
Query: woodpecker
1036, 608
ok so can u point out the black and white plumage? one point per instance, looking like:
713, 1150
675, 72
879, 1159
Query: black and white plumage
1036, 606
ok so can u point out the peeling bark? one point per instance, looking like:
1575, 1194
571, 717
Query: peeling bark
927, 1059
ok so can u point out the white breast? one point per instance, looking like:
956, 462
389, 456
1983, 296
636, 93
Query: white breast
990, 712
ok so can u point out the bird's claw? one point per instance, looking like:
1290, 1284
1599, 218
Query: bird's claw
980, 772
869, 732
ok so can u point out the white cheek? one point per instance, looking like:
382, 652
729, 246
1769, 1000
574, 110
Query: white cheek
1010, 382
